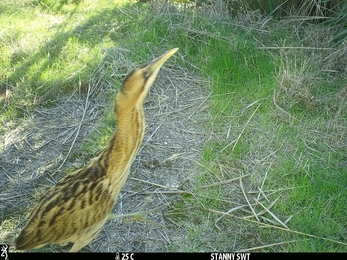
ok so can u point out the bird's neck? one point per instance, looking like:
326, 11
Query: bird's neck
125, 144
130, 130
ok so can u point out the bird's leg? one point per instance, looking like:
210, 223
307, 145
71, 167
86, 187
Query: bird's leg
136, 216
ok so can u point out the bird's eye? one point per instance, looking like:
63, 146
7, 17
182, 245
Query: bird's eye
146, 74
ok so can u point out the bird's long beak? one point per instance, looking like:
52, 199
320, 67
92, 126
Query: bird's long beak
156, 64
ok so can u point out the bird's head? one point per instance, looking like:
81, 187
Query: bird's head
136, 85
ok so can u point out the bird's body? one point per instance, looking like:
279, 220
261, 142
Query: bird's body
76, 207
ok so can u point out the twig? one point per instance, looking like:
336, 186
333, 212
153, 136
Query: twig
262, 184
77, 133
198, 107
223, 182
272, 153
150, 137
228, 212
283, 189
155, 184
7, 174
249, 204
243, 129
264, 211
263, 194
272, 215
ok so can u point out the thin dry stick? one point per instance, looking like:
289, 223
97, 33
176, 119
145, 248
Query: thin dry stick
272, 153
279, 228
150, 137
199, 106
262, 184
200, 164
7, 174
78, 131
249, 204
272, 215
263, 194
255, 102
243, 129
287, 220
155, 184
223, 182
164, 192
269, 220
264, 211
228, 212
283, 189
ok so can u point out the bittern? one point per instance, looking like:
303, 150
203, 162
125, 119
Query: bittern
77, 206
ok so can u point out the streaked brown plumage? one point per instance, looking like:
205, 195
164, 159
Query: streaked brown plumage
76, 208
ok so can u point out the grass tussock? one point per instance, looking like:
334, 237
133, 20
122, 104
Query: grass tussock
245, 145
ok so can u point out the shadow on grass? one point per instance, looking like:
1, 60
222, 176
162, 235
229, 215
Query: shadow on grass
105, 24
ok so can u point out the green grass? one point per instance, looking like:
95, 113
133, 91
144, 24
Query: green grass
52, 47
241, 75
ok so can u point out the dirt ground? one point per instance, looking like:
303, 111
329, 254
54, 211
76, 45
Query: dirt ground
37, 150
